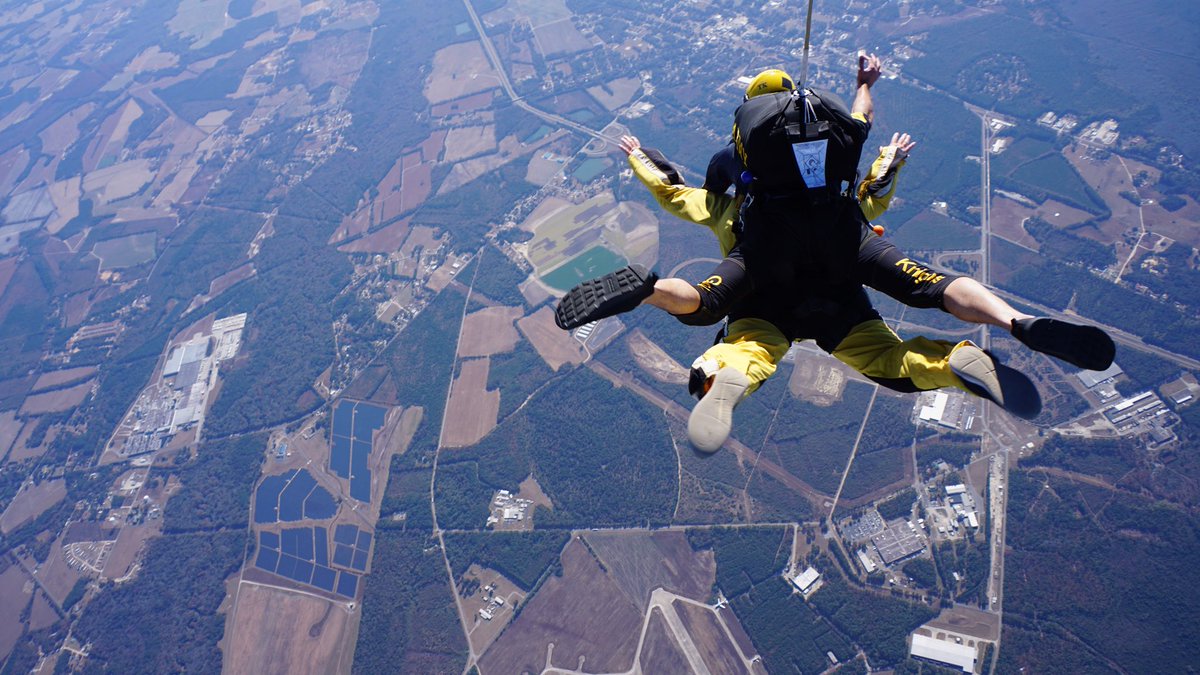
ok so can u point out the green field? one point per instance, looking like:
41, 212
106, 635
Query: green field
590, 168
115, 254
930, 231
587, 265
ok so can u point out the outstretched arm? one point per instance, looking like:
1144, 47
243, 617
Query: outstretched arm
876, 190
869, 70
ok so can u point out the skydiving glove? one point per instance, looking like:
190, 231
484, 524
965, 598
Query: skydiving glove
881, 179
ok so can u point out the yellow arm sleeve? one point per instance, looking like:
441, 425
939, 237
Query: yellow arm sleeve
876, 190
696, 205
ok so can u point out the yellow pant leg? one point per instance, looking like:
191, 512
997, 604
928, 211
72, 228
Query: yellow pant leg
752, 346
874, 349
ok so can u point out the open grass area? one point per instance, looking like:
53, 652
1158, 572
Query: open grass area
591, 263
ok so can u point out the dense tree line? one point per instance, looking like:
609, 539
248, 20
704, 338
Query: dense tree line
880, 624
521, 556
217, 484
899, 506
786, 632
410, 621
745, 555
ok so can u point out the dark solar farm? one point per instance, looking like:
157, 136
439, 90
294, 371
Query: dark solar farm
350, 446
292, 496
302, 555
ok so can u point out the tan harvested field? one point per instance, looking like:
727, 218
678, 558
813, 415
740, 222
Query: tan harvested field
384, 240
482, 632
13, 597
416, 184
55, 575
129, 542
543, 166
12, 164
230, 279
617, 93
739, 633
460, 70
534, 292
336, 57
968, 621
65, 195
387, 204
553, 344
21, 449
544, 212
472, 410
560, 37
640, 562
818, 378
583, 613
61, 377
275, 631
64, 131
110, 138
1108, 178
467, 171
423, 236
660, 651
55, 401
431, 148
31, 502
1007, 220
151, 59
42, 615
118, 181
710, 639
652, 359
1182, 225
464, 142
489, 331
462, 105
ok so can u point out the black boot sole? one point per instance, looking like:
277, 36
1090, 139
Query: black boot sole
988, 378
614, 293
1083, 346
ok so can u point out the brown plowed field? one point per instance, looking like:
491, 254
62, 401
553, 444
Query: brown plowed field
710, 639
489, 331
42, 615
385, 240
642, 561
10, 428
60, 377
660, 652
274, 631
553, 344
583, 613
56, 401
472, 410
464, 142
460, 70
56, 576
462, 105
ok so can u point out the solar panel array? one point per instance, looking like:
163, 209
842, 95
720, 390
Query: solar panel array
291, 496
302, 555
350, 445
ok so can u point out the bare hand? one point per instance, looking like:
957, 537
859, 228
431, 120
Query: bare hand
629, 144
903, 144
869, 69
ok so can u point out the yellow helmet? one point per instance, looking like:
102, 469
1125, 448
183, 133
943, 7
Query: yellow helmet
769, 82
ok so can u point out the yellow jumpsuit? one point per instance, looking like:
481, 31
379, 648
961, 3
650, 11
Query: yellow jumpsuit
755, 346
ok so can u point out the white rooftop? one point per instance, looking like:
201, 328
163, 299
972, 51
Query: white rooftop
944, 652
806, 579
933, 413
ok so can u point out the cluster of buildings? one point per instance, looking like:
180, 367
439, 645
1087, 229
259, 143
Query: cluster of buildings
1061, 124
952, 409
494, 604
180, 398
508, 510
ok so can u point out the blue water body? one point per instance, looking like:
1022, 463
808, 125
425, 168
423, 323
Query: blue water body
322, 545
343, 555
323, 578
304, 550
287, 566
303, 572
269, 540
319, 504
367, 418
291, 501
266, 499
360, 486
339, 456
343, 416
360, 561
345, 534
267, 559
364, 540
347, 584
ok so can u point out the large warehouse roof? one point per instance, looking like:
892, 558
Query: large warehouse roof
944, 652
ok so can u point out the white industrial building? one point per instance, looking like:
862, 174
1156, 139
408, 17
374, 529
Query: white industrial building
934, 412
806, 580
945, 652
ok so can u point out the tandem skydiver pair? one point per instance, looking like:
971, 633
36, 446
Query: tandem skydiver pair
799, 248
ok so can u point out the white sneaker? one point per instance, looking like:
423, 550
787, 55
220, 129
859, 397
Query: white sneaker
711, 420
